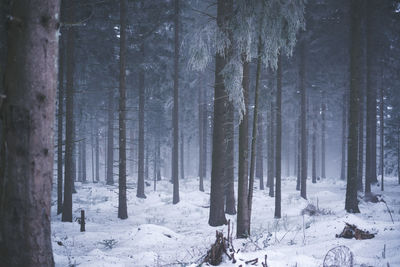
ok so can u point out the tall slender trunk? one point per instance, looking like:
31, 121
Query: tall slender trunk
351, 203
205, 134
122, 207
303, 115
140, 182
382, 136
200, 117
314, 148
182, 156
343, 149
27, 147
83, 151
97, 154
398, 154
254, 134
360, 142
298, 183
278, 138
110, 138
92, 146
69, 122
243, 218
60, 114
260, 152
323, 134
230, 207
217, 214
175, 112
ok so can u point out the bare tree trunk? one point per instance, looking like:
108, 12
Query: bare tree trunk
28, 114
278, 138
140, 184
254, 135
200, 111
343, 159
314, 148
97, 155
175, 112
110, 138
351, 204
217, 214
205, 134
69, 176
83, 151
230, 205
323, 134
303, 126
182, 156
360, 142
298, 183
60, 114
260, 152
122, 208
382, 136
243, 216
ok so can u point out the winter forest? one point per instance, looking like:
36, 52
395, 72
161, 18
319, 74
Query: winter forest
200, 132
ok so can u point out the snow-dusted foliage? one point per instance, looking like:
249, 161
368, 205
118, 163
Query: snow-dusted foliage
274, 23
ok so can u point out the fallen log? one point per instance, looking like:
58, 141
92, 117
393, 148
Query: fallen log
351, 230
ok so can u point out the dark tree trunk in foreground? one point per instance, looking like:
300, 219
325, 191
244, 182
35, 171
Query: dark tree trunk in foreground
217, 213
254, 136
175, 111
122, 208
260, 152
110, 138
28, 117
278, 148
230, 207
351, 204
69, 177
303, 126
60, 127
343, 149
140, 182
243, 218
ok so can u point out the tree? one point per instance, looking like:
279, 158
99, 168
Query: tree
278, 137
303, 120
28, 116
122, 208
351, 204
60, 127
217, 214
175, 112
69, 120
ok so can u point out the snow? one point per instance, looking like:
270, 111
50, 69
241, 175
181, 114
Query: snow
158, 233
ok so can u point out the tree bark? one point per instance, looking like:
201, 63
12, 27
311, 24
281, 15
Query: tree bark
122, 207
175, 112
201, 139
260, 152
28, 114
110, 139
217, 214
314, 148
69, 177
243, 215
344, 124
351, 204
60, 114
360, 142
323, 135
229, 164
382, 136
278, 138
182, 156
303, 126
140, 184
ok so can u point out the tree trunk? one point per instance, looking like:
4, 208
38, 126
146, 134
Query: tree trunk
205, 134
200, 111
254, 135
110, 138
260, 152
175, 112
370, 157
229, 164
323, 134
140, 184
243, 215
122, 208
69, 176
28, 114
97, 155
382, 136
83, 151
217, 214
298, 183
278, 138
360, 142
303, 126
182, 156
343, 158
351, 204
60, 114
314, 148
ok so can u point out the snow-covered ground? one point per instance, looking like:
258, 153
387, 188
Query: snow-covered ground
158, 233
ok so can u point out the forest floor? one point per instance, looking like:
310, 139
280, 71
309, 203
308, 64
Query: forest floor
158, 233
